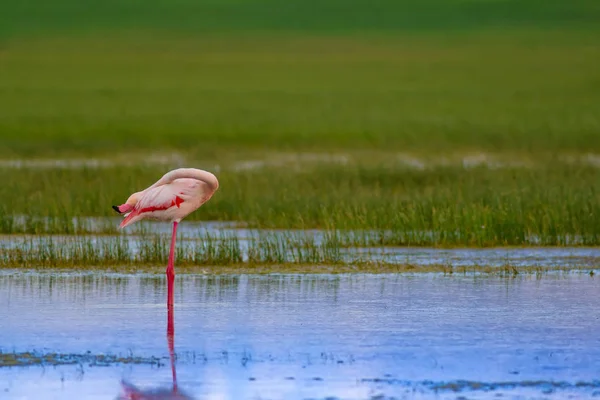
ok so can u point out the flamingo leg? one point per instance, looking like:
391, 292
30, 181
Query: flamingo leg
170, 313
170, 267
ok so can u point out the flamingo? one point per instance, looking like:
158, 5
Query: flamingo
172, 198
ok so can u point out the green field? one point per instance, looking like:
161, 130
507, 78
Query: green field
313, 114
38, 17
214, 96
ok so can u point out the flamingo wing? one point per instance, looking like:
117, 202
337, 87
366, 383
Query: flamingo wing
159, 200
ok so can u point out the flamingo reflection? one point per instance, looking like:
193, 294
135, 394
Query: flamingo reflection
131, 392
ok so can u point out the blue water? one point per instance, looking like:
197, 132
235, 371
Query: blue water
304, 336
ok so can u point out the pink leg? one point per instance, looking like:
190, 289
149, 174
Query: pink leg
170, 267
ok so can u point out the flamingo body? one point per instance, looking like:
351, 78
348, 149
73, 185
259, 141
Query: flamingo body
173, 197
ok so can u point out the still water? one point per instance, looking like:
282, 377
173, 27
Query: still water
357, 336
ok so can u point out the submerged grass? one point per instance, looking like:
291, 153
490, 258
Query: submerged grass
39, 358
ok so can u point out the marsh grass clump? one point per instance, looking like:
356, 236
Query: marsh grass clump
299, 249
211, 249
205, 249
259, 252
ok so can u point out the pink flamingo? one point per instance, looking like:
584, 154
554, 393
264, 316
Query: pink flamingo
173, 197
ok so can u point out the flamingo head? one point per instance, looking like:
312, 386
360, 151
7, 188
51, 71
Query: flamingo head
129, 204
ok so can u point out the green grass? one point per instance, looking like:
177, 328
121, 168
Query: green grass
205, 249
211, 97
39, 17
226, 254
551, 204
215, 80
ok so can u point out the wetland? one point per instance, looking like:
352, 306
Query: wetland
409, 202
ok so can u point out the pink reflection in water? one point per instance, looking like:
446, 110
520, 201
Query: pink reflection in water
131, 392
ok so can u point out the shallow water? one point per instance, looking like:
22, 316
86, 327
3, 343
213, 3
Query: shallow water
78, 335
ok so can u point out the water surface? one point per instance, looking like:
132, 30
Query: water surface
79, 335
